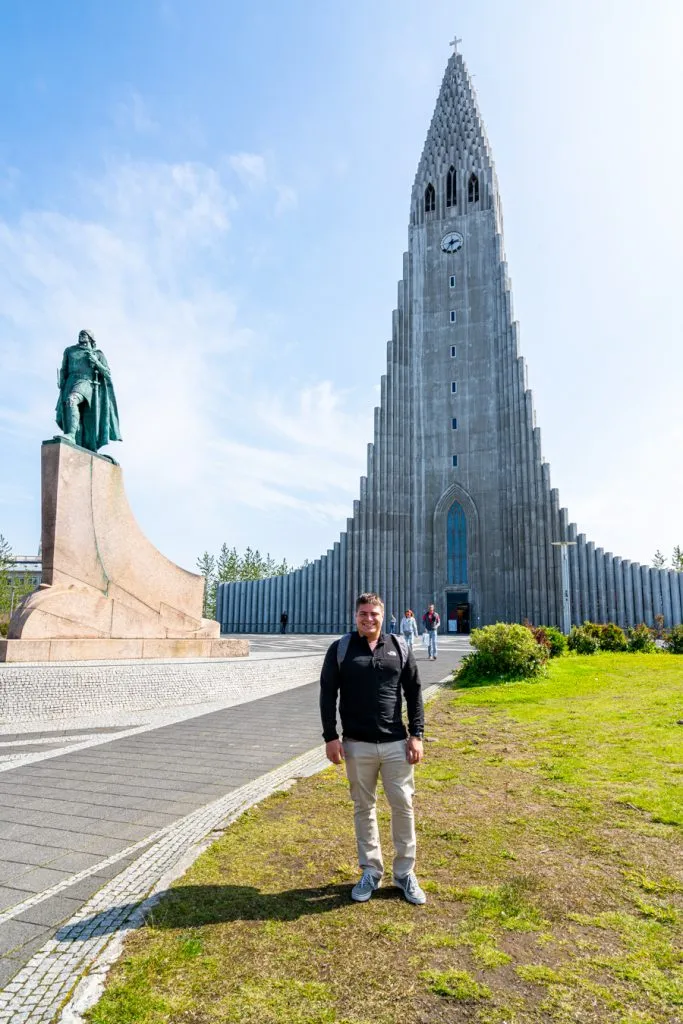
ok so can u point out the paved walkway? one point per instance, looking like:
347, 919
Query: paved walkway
71, 823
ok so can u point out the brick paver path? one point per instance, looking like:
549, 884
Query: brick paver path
67, 815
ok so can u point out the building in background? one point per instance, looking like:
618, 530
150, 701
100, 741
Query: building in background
456, 507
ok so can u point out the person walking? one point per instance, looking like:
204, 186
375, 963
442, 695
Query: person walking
392, 623
431, 623
368, 672
409, 628
284, 619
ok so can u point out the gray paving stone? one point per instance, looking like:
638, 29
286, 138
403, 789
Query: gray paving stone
34, 879
9, 897
51, 912
28, 853
15, 934
9, 966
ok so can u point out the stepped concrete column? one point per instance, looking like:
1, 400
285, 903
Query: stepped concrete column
676, 616
666, 598
638, 608
619, 592
581, 549
600, 584
344, 583
296, 602
629, 613
610, 588
656, 584
336, 586
574, 575
648, 613
592, 582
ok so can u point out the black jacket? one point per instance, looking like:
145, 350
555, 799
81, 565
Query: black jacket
370, 686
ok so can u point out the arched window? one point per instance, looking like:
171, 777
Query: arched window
430, 199
473, 189
450, 187
456, 544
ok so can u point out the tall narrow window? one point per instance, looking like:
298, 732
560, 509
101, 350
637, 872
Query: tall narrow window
452, 351
456, 543
473, 189
455, 462
454, 316
454, 387
430, 199
450, 188
454, 424
452, 281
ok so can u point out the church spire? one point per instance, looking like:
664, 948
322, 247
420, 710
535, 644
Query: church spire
456, 137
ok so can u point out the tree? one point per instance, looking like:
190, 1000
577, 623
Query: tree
207, 567
658, 560
6, 560
13, 587
677, 558
227, 565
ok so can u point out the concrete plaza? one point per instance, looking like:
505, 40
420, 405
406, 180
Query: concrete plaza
81, 817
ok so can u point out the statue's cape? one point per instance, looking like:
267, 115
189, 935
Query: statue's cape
100, 420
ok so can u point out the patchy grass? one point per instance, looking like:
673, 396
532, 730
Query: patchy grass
549, 836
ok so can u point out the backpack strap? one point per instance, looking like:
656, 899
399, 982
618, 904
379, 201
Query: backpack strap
401, 644
342, 648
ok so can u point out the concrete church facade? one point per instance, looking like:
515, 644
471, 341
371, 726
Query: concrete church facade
457, 506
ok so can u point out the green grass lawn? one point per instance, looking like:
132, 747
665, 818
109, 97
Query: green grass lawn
550, 822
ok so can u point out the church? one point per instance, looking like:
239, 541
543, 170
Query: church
457, 507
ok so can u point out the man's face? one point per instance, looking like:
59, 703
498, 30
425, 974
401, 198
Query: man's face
369, 619
431, 607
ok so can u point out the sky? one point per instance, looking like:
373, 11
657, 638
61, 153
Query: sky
220, 193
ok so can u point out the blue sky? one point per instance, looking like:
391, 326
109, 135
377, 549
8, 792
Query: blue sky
220, 192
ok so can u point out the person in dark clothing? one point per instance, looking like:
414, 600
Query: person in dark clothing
369, 675
431, 622
284, 619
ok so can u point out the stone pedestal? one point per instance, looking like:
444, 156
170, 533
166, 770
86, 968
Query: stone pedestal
106, 592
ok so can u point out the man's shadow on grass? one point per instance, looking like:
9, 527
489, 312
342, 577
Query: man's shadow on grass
196, 905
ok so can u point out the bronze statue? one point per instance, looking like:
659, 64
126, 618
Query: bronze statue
86, 407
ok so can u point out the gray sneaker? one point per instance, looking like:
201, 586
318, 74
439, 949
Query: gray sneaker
365, 886
410, 887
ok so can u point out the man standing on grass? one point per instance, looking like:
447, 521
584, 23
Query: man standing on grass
370, 671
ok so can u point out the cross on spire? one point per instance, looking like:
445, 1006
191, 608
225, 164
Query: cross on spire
454, 43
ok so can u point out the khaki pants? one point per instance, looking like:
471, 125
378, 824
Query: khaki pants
365, 762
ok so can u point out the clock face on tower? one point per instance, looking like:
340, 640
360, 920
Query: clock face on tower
452, 241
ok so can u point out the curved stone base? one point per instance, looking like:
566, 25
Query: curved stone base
107, 592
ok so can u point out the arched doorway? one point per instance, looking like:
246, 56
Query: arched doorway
457, 592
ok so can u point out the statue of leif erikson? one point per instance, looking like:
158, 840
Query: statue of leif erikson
86, 407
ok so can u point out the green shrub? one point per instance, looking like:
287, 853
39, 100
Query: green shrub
582, 639
612, 638
557, 641
640, 639
674, 640
502, 652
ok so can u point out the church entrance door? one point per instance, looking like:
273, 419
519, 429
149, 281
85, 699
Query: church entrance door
458, 611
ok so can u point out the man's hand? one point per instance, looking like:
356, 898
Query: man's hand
334, 751
414, 750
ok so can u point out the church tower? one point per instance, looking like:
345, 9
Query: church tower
456, 507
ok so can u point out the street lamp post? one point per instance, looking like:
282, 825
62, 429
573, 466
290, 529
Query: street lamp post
566, 602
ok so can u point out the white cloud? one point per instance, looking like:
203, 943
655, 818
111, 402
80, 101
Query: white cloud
250, 168
147, 272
